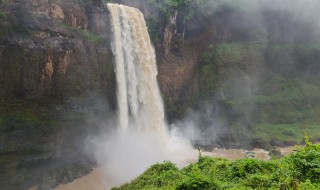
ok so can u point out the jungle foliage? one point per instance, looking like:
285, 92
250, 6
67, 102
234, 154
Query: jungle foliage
299, 170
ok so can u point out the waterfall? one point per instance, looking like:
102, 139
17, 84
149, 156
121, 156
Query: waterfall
139, 100
142, 138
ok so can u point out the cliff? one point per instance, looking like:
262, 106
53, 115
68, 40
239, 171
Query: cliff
53, 49
56, 69
56, 56
245, 77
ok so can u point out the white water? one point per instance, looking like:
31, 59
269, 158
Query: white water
139, 100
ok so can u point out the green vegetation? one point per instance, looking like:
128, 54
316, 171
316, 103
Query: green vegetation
25, 116
226, 64
2, 15
19, 117
232, 54
168, 5
153, 30
291, 133
15, 29
287, 101
208, 75
299, 170
166, 9
184, 6
281, 105
89, 36
205, 10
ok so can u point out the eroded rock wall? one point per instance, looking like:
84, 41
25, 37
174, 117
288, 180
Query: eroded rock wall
53, 49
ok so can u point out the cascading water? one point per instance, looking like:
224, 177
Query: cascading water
139, 100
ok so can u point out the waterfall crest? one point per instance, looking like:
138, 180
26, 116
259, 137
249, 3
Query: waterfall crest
139, 100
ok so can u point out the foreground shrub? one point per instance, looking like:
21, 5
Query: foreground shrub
305, 163
300, 170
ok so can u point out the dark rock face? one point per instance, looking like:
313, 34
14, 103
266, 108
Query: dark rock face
44, 172
46, 156
56, 68
53, 49
54, 57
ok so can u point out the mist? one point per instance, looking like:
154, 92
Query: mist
124, 155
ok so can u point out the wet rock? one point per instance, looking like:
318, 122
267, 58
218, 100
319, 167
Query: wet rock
275, 152
250, 154
289, 143
275, 142
260, 143
40, 170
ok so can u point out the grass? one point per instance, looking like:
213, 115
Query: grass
286, 115
286, 132
231, 53
286, 111
299, 170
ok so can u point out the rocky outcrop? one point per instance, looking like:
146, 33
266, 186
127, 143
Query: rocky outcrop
55, 65
54, 49
54, 57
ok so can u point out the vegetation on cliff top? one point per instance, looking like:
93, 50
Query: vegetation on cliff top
299, 170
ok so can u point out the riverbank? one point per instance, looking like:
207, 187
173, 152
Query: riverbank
100, 180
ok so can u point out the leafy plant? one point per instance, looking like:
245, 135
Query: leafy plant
306, 162
300, 170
